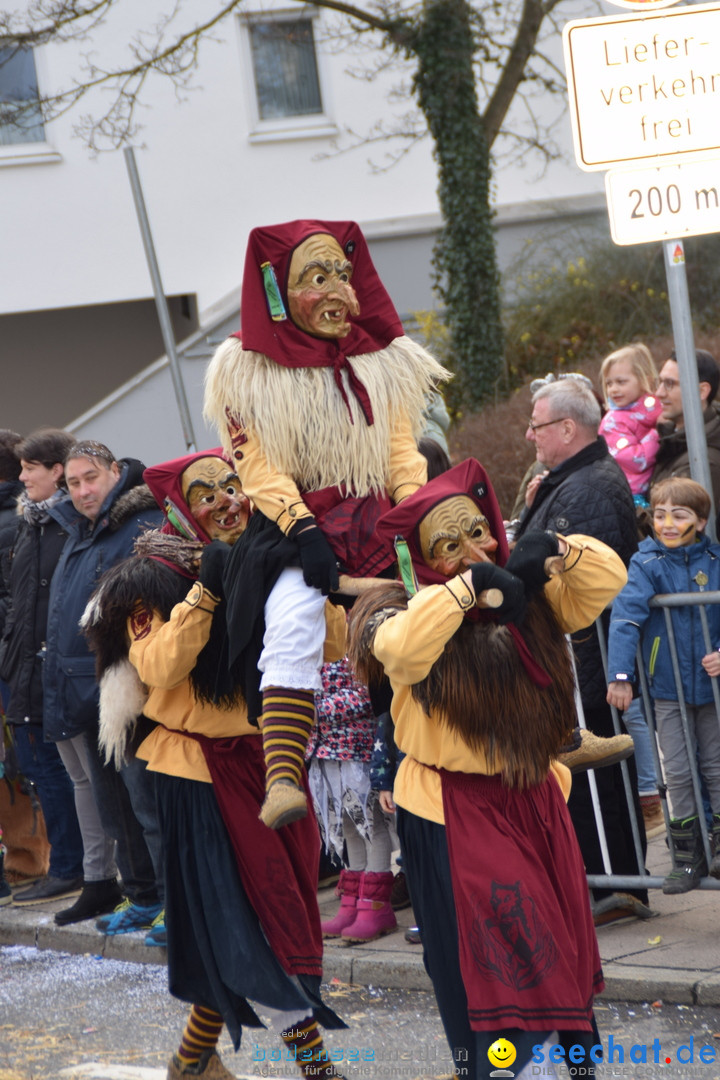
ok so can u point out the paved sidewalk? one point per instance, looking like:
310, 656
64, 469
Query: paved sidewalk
673, 958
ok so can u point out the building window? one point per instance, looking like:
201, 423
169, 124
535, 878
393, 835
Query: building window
20, 113
285, 68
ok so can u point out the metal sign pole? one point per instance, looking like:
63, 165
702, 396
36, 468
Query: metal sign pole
680, 315
160, 301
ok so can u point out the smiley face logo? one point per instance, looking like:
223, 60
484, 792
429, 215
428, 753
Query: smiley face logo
502, 1053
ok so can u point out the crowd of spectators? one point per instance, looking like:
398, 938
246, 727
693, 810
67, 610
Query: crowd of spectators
70, 510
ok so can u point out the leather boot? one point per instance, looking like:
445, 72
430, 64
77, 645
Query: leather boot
715, 847
691, 864
375, 915
348, 888
284, 803
96, 898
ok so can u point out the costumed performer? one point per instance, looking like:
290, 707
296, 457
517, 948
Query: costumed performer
241, 910
482, 703
320, 400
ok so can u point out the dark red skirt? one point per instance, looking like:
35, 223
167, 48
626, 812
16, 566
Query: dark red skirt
279, 868
528, 951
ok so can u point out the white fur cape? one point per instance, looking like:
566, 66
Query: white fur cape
301, 421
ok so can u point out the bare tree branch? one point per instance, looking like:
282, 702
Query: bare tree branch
463, 62
513, 71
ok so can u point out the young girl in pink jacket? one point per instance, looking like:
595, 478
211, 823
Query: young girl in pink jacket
628, 379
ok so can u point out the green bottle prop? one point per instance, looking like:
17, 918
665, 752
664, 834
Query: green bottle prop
272, 293
405, 566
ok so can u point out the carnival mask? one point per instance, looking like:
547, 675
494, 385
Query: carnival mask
455, 534
320, 296
215, 499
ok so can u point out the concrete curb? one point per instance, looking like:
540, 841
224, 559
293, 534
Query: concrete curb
389, 963
359, 965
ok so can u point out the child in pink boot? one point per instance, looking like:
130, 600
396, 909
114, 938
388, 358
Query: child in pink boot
348, 811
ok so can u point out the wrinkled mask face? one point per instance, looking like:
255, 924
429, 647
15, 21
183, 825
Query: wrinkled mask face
320, 296
215, 499
455, 534
676, 526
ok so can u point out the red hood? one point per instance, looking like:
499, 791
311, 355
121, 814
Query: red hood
164, 482
468, 478
376, 326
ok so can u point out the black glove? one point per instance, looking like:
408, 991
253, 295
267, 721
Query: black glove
212, 566
319, 565
527, 559
486, 575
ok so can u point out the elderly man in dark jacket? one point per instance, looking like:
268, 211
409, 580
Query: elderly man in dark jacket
583, 490
109, 507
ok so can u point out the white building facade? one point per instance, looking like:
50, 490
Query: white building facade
252, 141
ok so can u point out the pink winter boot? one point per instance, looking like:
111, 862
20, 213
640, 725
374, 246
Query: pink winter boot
347, 889
375, 915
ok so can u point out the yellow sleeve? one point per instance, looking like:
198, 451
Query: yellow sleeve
593, 576
408, 467
275, 494
335, 633
164, 653
562, 775
409, 643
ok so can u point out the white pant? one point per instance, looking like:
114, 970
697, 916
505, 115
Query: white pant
292, 652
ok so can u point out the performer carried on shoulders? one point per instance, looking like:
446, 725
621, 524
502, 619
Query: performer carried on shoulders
319, 400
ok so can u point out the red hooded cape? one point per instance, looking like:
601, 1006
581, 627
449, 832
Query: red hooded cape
373, 329
469, 479
165, 482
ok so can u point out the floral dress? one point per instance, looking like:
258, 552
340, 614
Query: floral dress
339, 753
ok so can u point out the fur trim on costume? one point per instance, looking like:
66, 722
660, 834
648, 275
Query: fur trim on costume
142, 579
480, 689
130, 503
122, 700
369, 611
134, 580
302, 422
171, 547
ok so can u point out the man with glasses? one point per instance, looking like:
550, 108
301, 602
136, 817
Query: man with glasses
673, 458
585, 491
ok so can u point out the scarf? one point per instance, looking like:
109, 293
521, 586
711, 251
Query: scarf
38, 513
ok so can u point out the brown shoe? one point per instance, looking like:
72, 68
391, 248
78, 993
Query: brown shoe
210, 1067
595, 752
652, 816
618, 908
284, 802
399, 896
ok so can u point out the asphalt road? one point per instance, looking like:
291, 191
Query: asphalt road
85, 1018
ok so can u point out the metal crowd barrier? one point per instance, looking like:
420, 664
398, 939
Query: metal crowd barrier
642, 880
